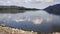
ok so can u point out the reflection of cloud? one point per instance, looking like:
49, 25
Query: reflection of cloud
49, 19
37, 21
18, 20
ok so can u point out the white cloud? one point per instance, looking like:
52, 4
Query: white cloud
38, 0
26, 1
48, 0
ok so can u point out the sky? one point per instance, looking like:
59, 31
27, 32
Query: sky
41, 4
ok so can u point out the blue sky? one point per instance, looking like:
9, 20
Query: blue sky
41, 4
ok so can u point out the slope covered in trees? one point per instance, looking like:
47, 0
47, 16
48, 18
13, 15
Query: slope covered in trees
55, 9
14, 9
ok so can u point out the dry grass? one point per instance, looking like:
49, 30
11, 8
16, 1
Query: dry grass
56, 33
8, 30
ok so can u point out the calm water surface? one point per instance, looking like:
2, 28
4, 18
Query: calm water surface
31, 20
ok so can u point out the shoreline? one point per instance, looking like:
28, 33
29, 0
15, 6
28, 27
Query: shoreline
8, 30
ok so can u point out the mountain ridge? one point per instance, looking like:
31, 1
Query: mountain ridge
55, 9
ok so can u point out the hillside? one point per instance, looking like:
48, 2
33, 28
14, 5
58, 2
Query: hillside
55, 9
14, 9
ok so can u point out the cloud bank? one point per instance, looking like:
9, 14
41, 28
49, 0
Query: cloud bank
23, 1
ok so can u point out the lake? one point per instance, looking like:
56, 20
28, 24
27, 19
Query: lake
39, 21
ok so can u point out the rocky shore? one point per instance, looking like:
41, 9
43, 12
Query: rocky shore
8, 30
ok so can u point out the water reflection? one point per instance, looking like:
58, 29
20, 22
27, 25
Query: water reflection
33, 20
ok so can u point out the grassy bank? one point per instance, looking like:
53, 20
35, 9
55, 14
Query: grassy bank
8, 30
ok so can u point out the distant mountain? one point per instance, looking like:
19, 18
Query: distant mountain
14, 9
55, 9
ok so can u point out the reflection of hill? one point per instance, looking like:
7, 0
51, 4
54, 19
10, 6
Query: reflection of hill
55, 9
14, 9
